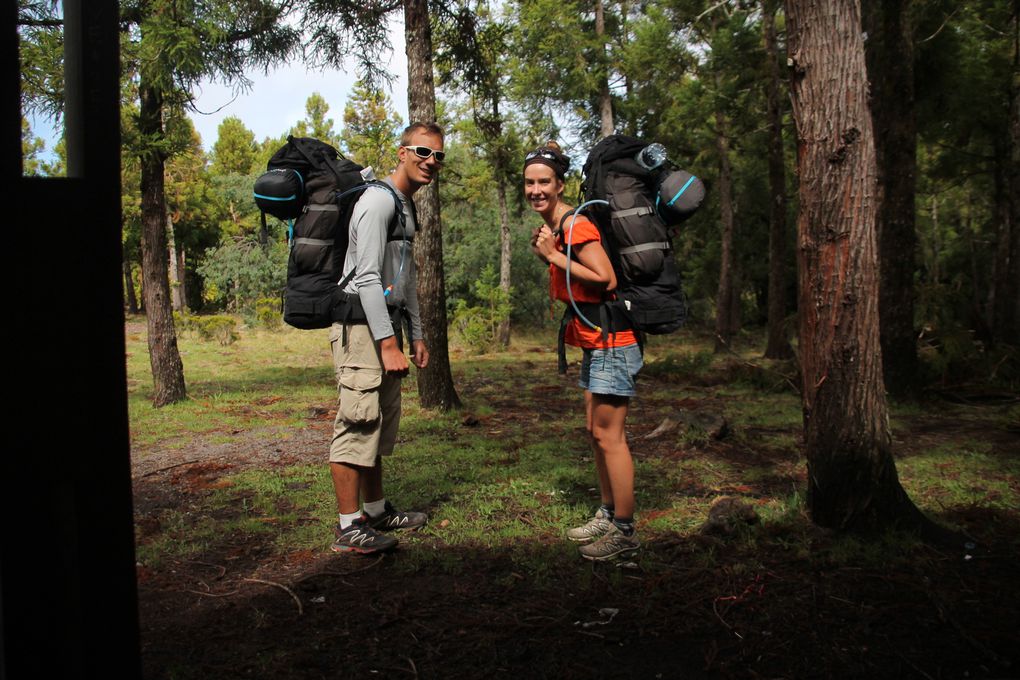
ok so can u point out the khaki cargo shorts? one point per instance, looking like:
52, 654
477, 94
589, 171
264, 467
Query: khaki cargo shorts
368, 405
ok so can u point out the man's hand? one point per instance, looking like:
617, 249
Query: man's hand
393, 360
420, 358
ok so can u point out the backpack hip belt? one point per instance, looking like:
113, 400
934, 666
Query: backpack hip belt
348, 311
612, 318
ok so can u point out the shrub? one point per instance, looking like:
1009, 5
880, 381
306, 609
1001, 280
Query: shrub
268, 314
477, 327
240, 272
217, 327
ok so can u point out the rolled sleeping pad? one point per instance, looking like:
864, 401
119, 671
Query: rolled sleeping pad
680, 195
281, 193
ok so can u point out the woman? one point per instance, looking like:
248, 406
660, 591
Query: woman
611, 361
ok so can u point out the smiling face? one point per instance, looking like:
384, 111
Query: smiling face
542, 188
413, 171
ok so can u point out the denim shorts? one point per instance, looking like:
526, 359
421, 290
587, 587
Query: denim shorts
611, 371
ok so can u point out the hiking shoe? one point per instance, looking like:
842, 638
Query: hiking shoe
596, 527
613, 544
361, 538
391, 519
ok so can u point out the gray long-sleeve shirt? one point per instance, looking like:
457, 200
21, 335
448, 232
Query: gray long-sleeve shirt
379, 264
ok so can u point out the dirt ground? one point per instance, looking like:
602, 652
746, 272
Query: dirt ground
241, 610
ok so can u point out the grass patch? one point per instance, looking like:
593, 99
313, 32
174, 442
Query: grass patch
512, 471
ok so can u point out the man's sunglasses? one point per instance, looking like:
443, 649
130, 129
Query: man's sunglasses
425, 152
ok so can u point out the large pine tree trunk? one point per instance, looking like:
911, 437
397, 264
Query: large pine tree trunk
605, 100
852, 480
890, 61
778, 346
164, 357
435, 382
1006, 283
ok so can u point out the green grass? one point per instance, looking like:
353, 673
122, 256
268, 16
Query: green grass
263, 377
502, 473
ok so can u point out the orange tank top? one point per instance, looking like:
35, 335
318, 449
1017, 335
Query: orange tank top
578, 333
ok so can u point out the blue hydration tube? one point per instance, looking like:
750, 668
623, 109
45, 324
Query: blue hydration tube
569, 240
403, 249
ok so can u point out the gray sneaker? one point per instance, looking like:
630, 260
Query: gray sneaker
596, 527
613, 544
361, 538
394, 519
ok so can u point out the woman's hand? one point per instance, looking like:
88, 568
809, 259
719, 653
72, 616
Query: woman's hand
543, 243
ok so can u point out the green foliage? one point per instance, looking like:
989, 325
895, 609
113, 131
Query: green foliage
218, 327
41, 56
371, 128
235, 149
31, 147
183, 323
240, 272
476, 326
315, 123
268, 314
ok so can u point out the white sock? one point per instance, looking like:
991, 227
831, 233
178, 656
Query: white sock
375, 508
345, 520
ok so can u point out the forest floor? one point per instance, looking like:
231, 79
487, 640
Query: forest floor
234, 515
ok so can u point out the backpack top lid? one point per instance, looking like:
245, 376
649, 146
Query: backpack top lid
616, 150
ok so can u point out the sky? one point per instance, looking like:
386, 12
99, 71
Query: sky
276, 101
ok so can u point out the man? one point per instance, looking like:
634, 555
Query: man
368, 356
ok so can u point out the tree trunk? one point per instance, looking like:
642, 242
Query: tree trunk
164, 357
505, 251
605, 99
890, 62
435, 382
778, 346
725, 305
852, 480
1006, 301
176, 262
129, 286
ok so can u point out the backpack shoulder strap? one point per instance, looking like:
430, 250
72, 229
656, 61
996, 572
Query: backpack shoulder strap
398, 217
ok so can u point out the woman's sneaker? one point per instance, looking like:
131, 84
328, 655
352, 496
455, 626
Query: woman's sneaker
614, 543
596, 527
361, 538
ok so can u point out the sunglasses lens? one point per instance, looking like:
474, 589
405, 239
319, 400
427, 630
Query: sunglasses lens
425, 152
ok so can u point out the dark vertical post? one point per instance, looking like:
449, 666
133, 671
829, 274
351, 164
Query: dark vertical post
69, 604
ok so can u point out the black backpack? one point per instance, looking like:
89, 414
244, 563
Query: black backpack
636, 231
312, 184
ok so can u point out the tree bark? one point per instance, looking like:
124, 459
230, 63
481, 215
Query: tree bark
505, 252
176, 263
726, 310
1006, 282
778, 346
129, 286
852, 480
435, 382
164, 357
890, 61
605, 99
